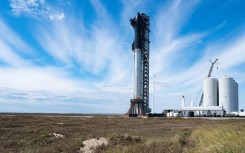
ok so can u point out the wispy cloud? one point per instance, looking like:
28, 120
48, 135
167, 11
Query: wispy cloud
9, 57
100, 52
189, 82
12, 47
60, 102
38, 9
171, 19
37, 79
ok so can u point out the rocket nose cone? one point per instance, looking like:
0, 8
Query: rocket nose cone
137, 16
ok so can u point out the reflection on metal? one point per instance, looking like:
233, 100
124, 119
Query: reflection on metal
140, 103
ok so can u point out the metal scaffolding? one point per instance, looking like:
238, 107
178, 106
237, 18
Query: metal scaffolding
139, 105
145, 50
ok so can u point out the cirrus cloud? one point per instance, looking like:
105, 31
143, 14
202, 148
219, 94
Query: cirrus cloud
38, 9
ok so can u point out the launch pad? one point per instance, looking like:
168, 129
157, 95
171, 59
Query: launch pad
219, 98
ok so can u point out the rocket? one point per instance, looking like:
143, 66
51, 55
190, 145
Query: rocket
137, 49
139, 105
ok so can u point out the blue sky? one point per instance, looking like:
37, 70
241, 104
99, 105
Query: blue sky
74, 56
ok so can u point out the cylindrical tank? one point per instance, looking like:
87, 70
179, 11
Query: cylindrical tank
137, 73
236, 108
234, 97
210, 89
227, 94
183, 101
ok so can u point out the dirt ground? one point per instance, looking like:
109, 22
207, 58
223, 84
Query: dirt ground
35, 133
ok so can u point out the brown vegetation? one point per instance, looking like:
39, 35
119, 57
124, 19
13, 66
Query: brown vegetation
34, 133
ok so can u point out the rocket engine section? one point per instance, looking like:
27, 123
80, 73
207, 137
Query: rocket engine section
140, 102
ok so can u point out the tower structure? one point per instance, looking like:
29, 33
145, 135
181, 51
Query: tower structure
140, 103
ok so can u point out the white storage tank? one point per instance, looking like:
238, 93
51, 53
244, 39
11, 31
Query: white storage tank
236, 109
210, 89
228, 94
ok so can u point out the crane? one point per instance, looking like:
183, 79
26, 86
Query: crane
209, 75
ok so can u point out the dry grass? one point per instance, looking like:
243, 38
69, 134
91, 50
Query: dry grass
221, 140
33, 133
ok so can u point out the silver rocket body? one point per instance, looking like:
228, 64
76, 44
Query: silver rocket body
138, 90
139, 105
137, 73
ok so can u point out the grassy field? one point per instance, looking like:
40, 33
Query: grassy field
34, 133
